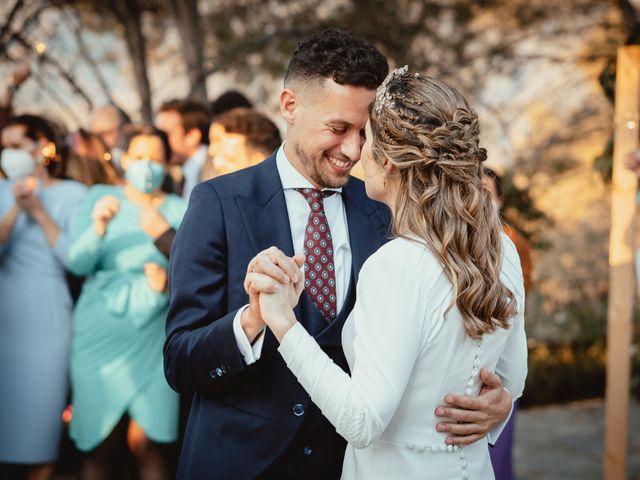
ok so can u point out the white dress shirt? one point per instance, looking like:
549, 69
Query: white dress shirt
298, 210
192, 169
406, 350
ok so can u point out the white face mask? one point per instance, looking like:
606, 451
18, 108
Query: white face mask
17, 163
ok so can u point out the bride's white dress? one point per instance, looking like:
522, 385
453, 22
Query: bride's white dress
406, 352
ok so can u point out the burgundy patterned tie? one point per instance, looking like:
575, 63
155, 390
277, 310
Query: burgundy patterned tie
320, 277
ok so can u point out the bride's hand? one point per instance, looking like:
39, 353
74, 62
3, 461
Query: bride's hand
276, 308
259, 281
294, 289
265, 271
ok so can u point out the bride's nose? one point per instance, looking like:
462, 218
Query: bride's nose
351, 145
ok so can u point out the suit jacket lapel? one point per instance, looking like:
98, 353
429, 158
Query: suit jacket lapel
266, 220
264, 211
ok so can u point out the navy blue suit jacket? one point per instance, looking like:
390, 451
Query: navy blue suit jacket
250, 421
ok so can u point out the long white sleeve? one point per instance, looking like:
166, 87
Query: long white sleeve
387, 342
512, 365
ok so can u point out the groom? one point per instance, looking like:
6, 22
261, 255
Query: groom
249, 417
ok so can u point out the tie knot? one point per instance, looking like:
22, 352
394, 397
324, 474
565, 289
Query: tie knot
315, 197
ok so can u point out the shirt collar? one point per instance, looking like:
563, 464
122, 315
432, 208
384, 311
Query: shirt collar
290, 177
194, 163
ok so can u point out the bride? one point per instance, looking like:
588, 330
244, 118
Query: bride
442, 298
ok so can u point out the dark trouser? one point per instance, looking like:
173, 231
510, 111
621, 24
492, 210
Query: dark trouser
501, 452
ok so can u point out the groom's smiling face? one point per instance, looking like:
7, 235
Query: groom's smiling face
325, 133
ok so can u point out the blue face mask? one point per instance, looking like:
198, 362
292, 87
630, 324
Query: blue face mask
145, 175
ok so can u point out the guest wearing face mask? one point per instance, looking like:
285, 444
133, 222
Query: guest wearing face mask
36, 208
116, 357
89, 160
112, 125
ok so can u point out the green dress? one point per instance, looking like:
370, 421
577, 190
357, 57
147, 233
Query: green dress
116, 354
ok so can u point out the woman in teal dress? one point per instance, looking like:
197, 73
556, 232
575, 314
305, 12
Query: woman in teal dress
116, 355
36, 211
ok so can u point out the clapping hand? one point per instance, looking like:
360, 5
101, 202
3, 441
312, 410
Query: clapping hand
152, 221
20, 74
156, 276
25, 195
103, 212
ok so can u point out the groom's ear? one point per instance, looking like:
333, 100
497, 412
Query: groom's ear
288, 105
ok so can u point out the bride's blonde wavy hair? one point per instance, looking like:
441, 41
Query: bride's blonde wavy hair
428, 130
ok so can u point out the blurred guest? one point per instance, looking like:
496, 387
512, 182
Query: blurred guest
632, 162
239, 138
90, 160
112, 125
18, 77
116, 357
228, 101
502, 452
36, 208
493, 183
186, 123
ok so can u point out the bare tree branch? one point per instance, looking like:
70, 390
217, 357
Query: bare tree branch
187, 21
231, 55
128, 14
7, 24
44, 57
57, 98
76, 27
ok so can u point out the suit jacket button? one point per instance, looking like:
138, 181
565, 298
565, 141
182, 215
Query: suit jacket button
212, 373
298, 410
219, 372
308, 451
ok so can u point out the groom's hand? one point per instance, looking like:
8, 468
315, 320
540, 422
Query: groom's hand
264, 272
275, 264
469, 419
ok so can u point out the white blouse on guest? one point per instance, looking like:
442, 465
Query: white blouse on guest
405, 356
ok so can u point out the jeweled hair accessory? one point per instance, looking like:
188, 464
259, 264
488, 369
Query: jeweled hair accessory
383, 97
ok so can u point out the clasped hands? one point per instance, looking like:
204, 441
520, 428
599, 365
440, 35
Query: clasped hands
274, 283
26, 197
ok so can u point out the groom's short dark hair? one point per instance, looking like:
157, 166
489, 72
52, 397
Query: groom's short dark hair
340, 55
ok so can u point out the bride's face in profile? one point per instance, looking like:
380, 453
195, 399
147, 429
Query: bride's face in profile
374, 173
